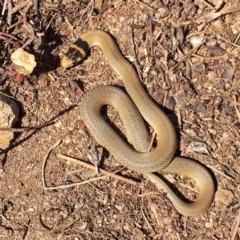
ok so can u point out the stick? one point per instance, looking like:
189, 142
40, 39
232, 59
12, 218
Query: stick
16, 44
3, 11
236, 225
236, 108
74, 160
72, 184
144, 4
45, 160
9, 16
209, 58
27, 128
224, 39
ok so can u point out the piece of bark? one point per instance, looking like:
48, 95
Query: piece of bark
8, 117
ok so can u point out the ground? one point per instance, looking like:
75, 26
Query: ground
187, 56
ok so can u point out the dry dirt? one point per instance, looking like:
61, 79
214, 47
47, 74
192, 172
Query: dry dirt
187, 54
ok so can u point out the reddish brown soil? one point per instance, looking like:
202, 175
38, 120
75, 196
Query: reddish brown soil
202, 82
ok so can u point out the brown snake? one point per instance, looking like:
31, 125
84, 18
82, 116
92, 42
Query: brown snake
138, 158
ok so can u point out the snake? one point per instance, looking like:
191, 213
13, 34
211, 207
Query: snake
136, 108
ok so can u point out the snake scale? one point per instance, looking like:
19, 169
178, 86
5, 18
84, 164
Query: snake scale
135, 154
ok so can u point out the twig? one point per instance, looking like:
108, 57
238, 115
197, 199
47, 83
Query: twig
27, 128
235, 45
237, 38
19, 6
209, 58
74, 160
85, 10
214, 15
84, 182
145, 218
189, 188
144, 4
236, 108
135, 61
10, 41
72, 184
45, 160
151, 36
25, 10
9, 96
152, 137
35, 7
50, 22
9, 16
236, 225
219, 172
178, 113
9, 36
3, 11
214, 161
187, 55
209, 17
207, 4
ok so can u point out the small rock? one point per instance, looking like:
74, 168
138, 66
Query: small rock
209, 224
199, 67
197, 40
23, 61
228, 73
8, 117
225, 135
224, 197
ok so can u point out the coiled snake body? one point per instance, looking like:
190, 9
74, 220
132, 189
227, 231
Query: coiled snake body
131, 111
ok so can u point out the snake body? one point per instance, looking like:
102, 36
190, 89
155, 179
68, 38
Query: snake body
131, 110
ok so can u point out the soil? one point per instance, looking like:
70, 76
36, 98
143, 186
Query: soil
187, 55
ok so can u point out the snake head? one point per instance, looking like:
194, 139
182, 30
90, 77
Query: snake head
75, 53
